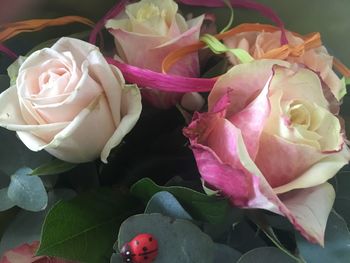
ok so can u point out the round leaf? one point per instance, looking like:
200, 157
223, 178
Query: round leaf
225, 253
27, 192
265, 255
116, 258
165, 203
337, 243
179, 240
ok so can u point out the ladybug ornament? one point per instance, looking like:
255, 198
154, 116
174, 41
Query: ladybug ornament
141, 249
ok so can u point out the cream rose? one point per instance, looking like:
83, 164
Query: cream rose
69, 101
146, 32
317, 59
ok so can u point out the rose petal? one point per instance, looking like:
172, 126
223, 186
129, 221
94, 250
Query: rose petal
308, 210
130, 110
86, 90
318, 173
111, 80
21, 254
242, 92
25, 254
216, 158
252, 118
74, 144
10, 118
296, 159
299, 84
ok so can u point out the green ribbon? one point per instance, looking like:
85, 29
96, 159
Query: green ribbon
218, 48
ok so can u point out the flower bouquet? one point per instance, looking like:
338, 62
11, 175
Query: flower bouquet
173, 131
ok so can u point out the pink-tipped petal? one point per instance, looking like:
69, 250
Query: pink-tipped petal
251, 120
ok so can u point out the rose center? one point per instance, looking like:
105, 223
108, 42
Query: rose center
300, 115
312, 125
149, 11
53, 81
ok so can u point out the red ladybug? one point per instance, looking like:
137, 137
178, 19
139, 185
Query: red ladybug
141, 249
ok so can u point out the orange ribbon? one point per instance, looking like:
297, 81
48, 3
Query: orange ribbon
311, 41
12, 29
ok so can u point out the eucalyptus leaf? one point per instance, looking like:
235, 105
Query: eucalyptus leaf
178, 240
26, 191
265, 255
337, 243
224, 253
85, 227
198, 205
116, 258
166, 204
6, 203
54, 166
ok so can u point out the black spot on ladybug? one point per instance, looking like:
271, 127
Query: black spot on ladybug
145, 257
150, 239
137, 243
144, 249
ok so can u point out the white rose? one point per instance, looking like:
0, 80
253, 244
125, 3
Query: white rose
69, 101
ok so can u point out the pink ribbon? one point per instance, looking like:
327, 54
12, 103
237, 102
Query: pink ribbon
160, 81
8, 52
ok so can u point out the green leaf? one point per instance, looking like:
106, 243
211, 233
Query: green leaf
85, 227
12, 70
198, 205
337, 241
54, 166
218, 48
224, 253
259, 219
265, 255
179, 240
347, 81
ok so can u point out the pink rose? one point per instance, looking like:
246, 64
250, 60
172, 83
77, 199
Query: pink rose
146, 32
271, 140
69, 101
317, 59
25, 254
